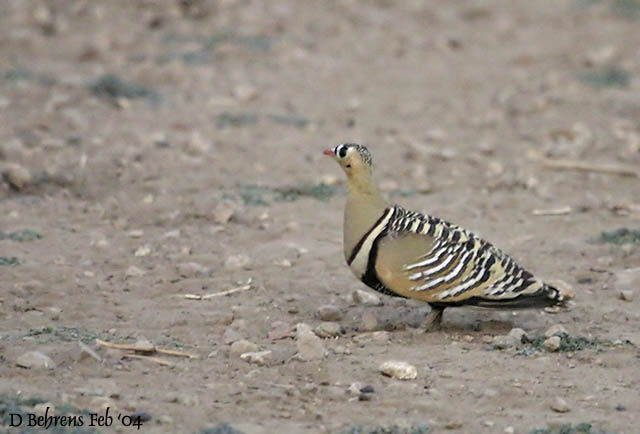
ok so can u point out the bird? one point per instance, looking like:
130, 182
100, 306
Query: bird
409, 254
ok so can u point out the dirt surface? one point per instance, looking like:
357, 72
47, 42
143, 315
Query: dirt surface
167, 148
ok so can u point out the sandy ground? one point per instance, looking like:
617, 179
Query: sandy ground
175, 147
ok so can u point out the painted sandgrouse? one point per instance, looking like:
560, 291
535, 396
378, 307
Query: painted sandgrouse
412, 255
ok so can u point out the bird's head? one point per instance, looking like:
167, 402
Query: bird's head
351, 157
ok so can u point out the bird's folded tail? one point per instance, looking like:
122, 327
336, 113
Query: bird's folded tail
549, 295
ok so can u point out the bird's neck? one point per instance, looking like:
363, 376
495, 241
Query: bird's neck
364, 207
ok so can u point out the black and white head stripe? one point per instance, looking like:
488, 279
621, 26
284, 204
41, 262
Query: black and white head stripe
342, 150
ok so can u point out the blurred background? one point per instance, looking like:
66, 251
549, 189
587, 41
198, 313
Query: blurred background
153, 148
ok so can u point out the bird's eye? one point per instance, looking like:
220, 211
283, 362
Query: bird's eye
342, 152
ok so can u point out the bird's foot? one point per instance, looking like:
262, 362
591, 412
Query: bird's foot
433, 320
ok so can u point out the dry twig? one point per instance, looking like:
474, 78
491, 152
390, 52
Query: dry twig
150, 358
554, 211
144, 350
584, 166
244, 287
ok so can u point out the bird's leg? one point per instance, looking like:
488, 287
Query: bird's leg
433, 319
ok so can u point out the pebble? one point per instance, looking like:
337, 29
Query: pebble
237, 262
223, 213
191, 269
245, 92
142, 251
242, 346
626, 295
41, 409
165, 419
559, 405
196, 145
35, 360
365, 298
515, 338
369, 322
399, 370
135, 233
328, 329
556, 330
261, 358
17, 176
230, 336
509, 430
329, 312
552, 344
134, 271
310, 346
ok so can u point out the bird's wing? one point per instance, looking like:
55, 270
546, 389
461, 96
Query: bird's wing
429, 259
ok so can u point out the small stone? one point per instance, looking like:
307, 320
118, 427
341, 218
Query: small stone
488, 423
196, 145
310, 346
134, 271
43, 408
626, 295
552, 344
223, 213
191, 269
329, 312
559, 405
509, 430
230, 336
366, 298
328, 329
142, 251
35, 360
515, 338
621, 407
556, 330
453, 425
135, 233
17, 177
369, 322
245, 92
165, 419
354, 389
399, 370
237, 262
242, 346
144, 345
260, 358
368, 389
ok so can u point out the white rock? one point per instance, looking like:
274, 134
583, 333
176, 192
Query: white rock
261, 358
196, 145
243, 346
366, 298
223, 213
626, 295
142, 251
41, 409
556, 330
245, 92
134, 271
329, 312
399, 370
328, 329
17, 176
368, 322
552, 344
35, 360
310, 347
135, 233
559, 405
191, 269
237, 262
515, 338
